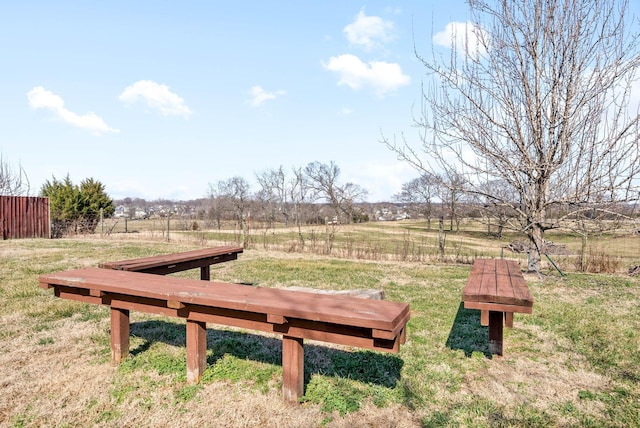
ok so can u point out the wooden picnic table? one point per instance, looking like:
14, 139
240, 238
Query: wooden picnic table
498, 289
176, 262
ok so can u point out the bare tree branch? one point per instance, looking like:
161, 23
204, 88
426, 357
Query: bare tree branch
543, 104
12, 182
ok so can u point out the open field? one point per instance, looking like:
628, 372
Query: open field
407, 240
573, 362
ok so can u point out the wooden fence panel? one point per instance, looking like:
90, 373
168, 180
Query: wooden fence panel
24, 217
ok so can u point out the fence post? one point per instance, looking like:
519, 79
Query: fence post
101, 223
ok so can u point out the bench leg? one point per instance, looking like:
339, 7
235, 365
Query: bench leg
484, 318
196, 350
205, 273
292, 368
508, 319
119, 335
495, 332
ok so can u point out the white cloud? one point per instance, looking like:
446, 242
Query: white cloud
369, 32
40, 98
466, 37
383, 77
259, 95
382, 179
157, 96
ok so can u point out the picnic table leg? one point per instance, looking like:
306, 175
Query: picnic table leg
119, 334
495, 332
292, 368
205, 273
196, 350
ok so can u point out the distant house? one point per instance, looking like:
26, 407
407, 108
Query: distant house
121, 212
141, 213
387, 214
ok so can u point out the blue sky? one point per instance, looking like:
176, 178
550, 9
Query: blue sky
159, 99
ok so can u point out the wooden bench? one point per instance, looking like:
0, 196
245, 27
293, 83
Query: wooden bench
371, 324
498, 289
170, 263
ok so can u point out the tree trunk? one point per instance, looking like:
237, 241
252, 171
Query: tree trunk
441, 237
536, 236
583, 254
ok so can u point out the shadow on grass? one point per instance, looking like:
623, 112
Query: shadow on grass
363, 366
467, 334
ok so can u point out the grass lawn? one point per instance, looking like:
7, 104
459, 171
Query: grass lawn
574, 362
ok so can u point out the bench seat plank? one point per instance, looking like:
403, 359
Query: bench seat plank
170, 263
497, 281
379, 315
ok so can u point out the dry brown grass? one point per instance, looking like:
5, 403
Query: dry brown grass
70, 383
55, 370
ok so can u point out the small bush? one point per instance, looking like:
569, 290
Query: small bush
597, 261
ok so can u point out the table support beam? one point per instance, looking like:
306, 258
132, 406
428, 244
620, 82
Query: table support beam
196, 350
119, 335
292, 368
495, 332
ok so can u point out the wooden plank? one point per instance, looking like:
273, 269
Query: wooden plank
175, 304
205, 273
484, 317
500, 307
119, 335
472, 289
488, 285
508, 319
182, 261
24, 217
276, 319
521, 291
378, 314
497, 281
353, 332
504, 286
292, 368
495, 332
196, 350
96, 293
385, 334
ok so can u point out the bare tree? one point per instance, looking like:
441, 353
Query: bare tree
323, 179
12, 182
538, 96
237, 191
420, 191
274, 194
299, 197
496, 214
216, 205
451, 191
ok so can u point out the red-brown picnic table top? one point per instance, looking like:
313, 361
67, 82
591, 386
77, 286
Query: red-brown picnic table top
164, 260
337, 309
497, 281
